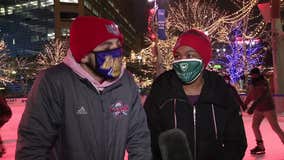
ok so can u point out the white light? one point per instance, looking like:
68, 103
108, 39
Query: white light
69, 1
151, 1
224, 49
50, 35
218, 50
206, 32
14, 72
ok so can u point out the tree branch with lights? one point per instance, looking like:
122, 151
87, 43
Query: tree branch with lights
218, 24
5, 67
53, 54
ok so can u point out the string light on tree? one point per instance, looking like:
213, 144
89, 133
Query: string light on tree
5, 66
53, 54
141, 65
186, 14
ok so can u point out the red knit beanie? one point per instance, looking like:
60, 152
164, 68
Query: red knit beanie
198, 41
87, 32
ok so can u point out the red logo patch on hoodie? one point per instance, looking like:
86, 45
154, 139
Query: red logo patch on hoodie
119, 109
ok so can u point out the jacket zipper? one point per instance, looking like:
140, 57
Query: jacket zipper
194, 130
104, 128
195, 123
175, 116
214, 120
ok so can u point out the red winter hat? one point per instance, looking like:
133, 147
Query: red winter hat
87, 32
198, 41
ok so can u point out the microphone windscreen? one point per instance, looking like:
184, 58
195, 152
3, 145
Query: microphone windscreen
174, 145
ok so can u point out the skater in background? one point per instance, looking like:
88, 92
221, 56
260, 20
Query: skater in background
262, 106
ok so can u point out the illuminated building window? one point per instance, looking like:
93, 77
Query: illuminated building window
34, 38
50, 34
33, 3
10, 10
69, 1
65, 32
2, 11
47, 3
20, 7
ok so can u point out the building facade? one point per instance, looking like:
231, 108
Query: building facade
25, 25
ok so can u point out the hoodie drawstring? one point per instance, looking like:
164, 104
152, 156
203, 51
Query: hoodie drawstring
214, 120
175, 116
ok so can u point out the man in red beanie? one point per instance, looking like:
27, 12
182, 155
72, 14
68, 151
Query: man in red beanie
88, 107
196, 101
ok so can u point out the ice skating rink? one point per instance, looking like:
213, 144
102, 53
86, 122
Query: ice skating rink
274, 147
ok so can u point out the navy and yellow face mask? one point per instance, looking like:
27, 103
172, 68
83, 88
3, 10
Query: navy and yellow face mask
109, 63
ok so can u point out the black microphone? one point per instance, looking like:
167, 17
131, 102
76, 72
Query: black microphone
174, 145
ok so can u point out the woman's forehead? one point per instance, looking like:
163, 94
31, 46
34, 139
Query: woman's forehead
186, 49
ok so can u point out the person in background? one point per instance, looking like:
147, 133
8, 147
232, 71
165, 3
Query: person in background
196, 101
5, 115
242, 81
268, 75
235, 93
262, 106
88, 107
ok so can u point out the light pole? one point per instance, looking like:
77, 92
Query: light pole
153, 36
155, 3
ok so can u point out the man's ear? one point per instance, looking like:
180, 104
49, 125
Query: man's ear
85, 59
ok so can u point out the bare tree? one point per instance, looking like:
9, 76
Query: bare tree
198, 14
142, 66
186, 14
53, 53
5, 67
205, 16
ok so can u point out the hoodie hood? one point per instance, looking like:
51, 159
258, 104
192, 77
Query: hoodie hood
75, 66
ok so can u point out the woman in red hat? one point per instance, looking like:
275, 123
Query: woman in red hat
197, 102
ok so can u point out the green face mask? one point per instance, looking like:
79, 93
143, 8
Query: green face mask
188, 70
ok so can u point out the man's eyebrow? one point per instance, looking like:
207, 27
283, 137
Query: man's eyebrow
110, 43
107, 43
190, 50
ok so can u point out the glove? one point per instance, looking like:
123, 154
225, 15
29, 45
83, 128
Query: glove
251, 109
